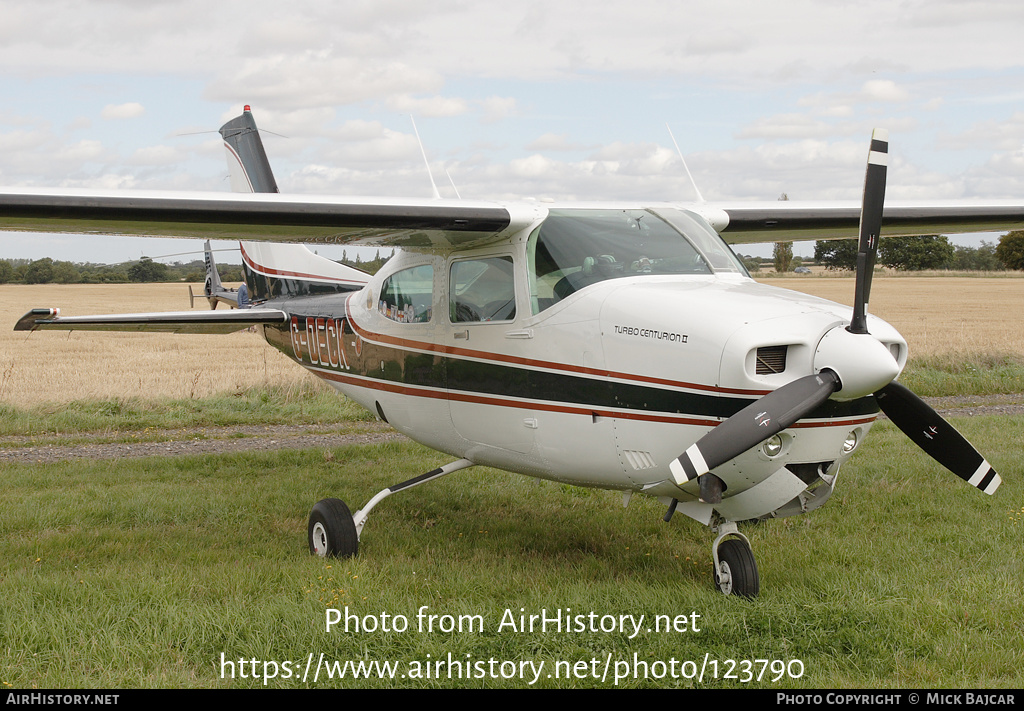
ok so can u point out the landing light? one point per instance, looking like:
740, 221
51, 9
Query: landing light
851, 442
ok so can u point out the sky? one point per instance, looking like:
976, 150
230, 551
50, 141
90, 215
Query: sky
560, 99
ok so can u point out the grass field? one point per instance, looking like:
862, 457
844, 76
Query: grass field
143, 573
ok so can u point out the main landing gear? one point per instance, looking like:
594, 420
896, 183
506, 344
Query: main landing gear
735, 567
334, 531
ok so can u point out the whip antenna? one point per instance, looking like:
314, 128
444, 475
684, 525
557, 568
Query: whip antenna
700, 198
437, 195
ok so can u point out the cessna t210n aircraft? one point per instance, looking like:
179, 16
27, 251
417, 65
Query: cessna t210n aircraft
618, 345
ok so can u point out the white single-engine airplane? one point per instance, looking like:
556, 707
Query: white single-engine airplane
616, 345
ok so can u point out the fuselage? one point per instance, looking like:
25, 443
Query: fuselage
593, 364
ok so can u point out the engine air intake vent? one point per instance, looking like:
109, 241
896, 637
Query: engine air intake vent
771, 359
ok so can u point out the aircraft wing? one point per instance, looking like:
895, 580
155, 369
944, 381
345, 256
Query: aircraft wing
785, 221
426, 224
444, 225
168, 322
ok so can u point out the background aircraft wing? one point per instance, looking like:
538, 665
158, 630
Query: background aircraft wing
427, 224
784, 221
169, 322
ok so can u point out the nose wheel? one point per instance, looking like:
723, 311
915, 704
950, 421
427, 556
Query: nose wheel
735, 567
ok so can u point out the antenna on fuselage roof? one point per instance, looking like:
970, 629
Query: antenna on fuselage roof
437, 195
700, 198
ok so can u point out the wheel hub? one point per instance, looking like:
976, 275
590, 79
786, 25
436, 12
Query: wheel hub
724, 578
319, 539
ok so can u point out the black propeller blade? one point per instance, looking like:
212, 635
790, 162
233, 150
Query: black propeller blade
907, 411
870, 226
936, 436
750, 426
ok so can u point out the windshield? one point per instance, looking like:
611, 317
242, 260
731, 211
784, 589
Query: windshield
573, 249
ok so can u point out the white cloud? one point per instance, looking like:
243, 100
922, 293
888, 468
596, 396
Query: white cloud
106, 181
1002, 176
782, 97
787, 126
123, 111
497, 108
883, 90
534, 166
318, 78
430, 106
81, 151
554, 142
155, 155
992, 134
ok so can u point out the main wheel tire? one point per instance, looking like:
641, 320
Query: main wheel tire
332, 530
737, 569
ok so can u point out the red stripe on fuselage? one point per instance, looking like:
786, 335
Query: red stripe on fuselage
533, 363
545, 406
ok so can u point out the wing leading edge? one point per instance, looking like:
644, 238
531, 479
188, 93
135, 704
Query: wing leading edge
783, 221
445, 225
429, 224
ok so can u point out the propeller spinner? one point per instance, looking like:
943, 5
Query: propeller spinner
849, 364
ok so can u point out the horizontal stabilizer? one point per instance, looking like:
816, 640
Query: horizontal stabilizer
289, 270
167, 322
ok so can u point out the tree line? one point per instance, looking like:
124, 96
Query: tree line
903, 253
145, 270
55, 271
922, 252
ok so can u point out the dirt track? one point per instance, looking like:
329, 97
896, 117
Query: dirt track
205, 440
214, 440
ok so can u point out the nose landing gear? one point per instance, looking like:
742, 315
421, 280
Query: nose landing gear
735, 567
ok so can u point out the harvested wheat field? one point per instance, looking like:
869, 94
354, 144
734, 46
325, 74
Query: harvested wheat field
937, 315
54, 366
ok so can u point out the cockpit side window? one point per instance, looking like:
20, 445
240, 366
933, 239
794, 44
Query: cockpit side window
406, 296
573, 249
482, 290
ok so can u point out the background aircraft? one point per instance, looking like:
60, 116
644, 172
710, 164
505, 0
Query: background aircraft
215, 292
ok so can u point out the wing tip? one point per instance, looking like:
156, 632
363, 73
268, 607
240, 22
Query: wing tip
28, 321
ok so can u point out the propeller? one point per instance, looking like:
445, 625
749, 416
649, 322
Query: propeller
936, 437
870, 226
749, 427
855, 366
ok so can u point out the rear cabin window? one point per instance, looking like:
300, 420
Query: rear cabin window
406, 296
